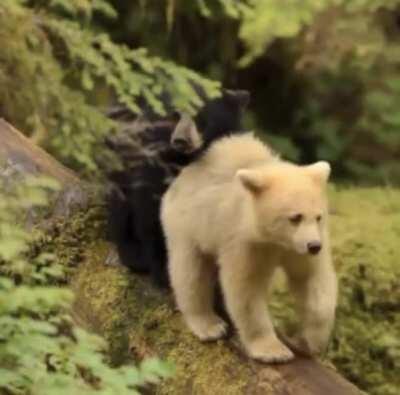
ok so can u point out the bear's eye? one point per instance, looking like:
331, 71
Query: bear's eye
296, 219
319, 218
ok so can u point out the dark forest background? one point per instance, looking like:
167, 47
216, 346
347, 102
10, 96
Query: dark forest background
323, 74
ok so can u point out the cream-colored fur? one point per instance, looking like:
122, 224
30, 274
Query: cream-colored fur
236, 208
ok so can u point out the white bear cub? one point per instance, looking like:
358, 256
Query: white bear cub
243, 210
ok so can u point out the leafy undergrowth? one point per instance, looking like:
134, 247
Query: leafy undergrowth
42, 351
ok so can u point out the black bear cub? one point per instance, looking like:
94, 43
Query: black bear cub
152, 151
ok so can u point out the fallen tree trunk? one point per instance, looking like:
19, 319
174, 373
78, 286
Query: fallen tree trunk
20, 157
140, 321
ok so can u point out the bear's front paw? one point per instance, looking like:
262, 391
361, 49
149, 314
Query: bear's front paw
207, 327
269, 350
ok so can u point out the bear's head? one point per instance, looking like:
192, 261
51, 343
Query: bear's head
289, 203
217, 118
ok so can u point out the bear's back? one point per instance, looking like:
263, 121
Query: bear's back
235, 152
213, 174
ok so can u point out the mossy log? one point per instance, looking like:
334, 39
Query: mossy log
140, 321
19, 157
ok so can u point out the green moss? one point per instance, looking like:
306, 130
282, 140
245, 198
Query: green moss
107, 301
366, 342
70, 238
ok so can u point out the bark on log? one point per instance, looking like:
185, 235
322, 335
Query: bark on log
16, 150
140, 321
19, 157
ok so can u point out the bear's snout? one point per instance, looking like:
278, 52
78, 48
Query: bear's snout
181, 145
314, 247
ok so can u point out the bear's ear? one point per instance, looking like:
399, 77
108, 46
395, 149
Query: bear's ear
185, 138
240, 98
252, 180
319, 171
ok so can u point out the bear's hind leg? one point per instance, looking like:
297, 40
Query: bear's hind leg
150, 238
155, 257
193, 279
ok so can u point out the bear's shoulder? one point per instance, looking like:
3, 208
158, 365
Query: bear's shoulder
234, 152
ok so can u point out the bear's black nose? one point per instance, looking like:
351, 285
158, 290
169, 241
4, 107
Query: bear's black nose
180, 145
314, 247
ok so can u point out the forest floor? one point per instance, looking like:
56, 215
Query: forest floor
366, 248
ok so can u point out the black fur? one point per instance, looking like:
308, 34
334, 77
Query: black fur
149, 164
